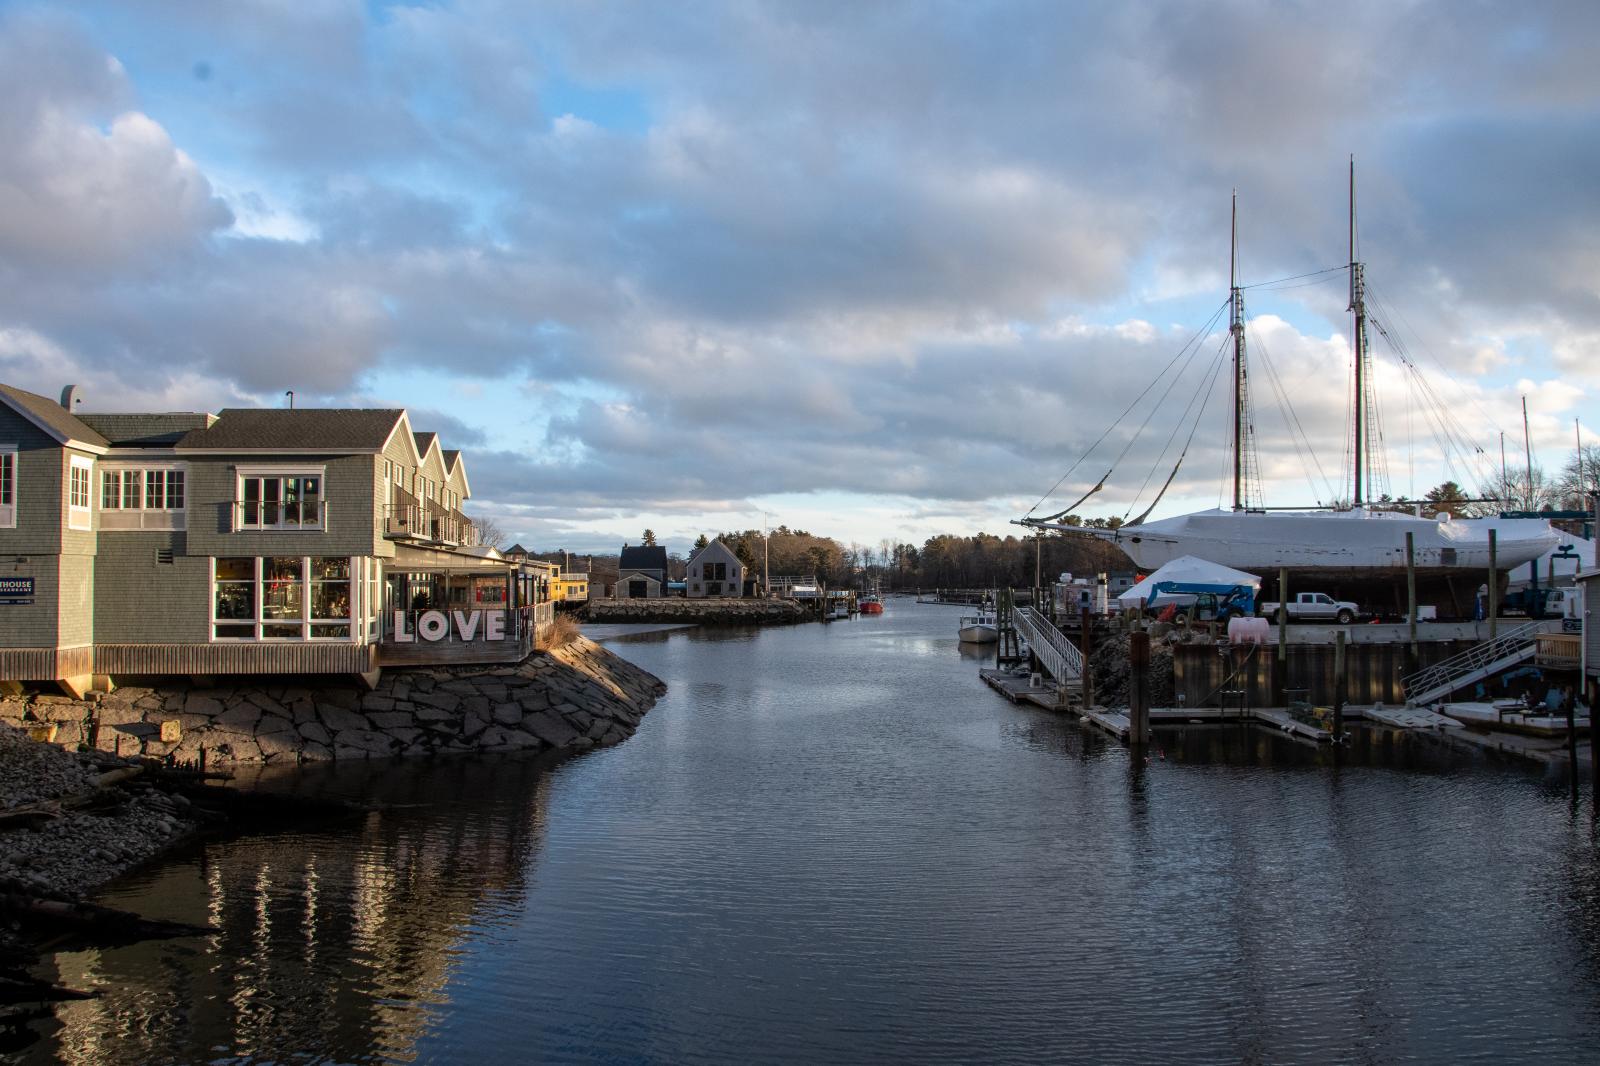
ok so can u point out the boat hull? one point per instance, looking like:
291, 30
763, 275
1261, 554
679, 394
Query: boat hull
1336, 544
978, 633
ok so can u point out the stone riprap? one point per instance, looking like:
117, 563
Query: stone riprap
709, 612
66, 855
568, 698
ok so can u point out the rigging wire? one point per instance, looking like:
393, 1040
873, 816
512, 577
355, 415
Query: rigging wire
1297, 433
1191, 342
1177, 427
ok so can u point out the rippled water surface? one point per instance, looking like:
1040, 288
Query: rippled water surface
833, 844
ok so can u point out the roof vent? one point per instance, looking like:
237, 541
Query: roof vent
69, 397
164, 556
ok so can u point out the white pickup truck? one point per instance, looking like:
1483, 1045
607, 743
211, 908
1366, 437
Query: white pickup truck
1314, 607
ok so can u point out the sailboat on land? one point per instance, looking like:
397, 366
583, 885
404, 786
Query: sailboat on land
1355, 543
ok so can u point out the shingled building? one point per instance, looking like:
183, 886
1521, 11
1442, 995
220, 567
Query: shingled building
249, 541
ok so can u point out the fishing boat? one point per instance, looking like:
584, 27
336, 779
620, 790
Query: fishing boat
1329, 544
980, 628
871, 604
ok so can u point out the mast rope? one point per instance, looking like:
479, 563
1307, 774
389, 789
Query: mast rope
1190, 343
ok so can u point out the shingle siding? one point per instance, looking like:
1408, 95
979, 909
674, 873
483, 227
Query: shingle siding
35, 625
349, 527
139, 600
39, 503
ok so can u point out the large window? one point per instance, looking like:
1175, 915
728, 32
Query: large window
8, 486
141, 497
290, 501
282, 598
80, 471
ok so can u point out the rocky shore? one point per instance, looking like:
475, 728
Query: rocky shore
721, 612
108, 793
571, 697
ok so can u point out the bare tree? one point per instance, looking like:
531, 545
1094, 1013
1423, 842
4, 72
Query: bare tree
489, 531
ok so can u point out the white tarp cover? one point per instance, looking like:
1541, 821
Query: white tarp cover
1188, 570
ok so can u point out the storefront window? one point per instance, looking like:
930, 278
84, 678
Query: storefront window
282, 598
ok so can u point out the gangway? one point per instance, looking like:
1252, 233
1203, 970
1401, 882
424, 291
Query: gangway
1474, 664
1059, 656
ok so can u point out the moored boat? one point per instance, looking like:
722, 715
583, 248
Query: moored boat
871, 604
979, 629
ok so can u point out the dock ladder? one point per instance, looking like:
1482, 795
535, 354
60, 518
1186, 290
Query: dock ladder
1059, 656
1474, 664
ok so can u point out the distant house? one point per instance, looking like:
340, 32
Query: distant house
642, 573
715, 571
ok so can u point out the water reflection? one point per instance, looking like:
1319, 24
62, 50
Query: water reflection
832, 843
339, 944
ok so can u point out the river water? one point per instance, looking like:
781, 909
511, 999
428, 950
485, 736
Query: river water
834, 844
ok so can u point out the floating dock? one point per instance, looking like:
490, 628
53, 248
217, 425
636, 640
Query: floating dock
1021, 689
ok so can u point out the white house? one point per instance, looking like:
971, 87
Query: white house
715, 571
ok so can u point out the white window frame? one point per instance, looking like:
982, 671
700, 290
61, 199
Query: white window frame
248, 473
80, 516
8, 486
141, 515
352, 621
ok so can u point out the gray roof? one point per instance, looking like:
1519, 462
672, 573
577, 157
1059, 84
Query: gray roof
158, 430
644, 557
423, 442
304, 428
52, 417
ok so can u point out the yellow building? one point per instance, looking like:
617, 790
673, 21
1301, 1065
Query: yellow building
570, 588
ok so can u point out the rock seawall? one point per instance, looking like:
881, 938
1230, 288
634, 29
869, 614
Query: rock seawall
724, 612
568, 698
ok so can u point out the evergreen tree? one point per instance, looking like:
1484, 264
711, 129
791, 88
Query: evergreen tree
649, 538
700, 542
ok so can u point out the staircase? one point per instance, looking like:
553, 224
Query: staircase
1474, 664
1058, 655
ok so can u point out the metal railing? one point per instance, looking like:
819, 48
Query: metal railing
426, 522
1057, 654
1446, 676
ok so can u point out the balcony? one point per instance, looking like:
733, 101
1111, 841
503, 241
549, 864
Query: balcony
407, 518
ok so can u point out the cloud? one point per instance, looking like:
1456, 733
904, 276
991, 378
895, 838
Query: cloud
76, 195
893, 251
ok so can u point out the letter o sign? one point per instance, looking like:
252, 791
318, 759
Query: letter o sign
432, 625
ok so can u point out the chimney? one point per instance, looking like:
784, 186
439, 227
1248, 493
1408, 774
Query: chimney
69, 396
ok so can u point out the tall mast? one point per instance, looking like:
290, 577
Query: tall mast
1236, 327
1358, 305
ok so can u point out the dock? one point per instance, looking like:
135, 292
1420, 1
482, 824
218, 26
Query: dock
1045, 695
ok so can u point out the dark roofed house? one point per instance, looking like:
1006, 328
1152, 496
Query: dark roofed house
642, 572
251, 542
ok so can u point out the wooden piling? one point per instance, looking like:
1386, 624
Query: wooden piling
1339, 687
1086, 629
1139, 689
1283, 614
1494, 583
1411, 593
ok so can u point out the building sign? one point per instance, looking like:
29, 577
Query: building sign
16, 590
461, 626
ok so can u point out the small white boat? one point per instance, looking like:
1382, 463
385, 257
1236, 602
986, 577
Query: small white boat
979, 629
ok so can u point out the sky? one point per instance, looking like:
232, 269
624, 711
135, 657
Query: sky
876, 270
